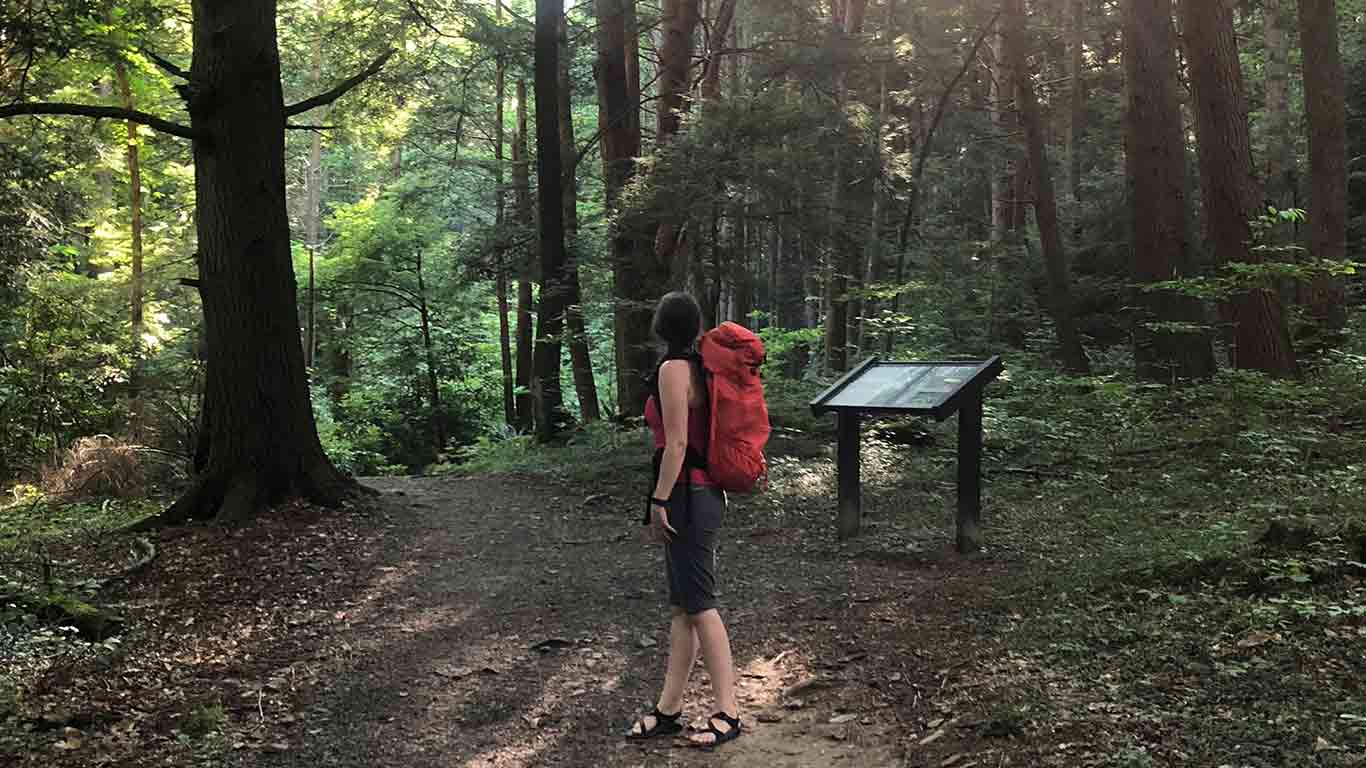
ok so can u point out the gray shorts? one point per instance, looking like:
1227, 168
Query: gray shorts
690, 559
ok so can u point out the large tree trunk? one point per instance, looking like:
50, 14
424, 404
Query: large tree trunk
263, 444
580, 356
1045, 203
675, 62
1325, 107
1229, 189
521, 180
132, 148
1156, 159
500, 248
619, 118
551, 417
1280, 144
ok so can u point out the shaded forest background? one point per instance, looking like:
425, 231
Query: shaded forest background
907, 178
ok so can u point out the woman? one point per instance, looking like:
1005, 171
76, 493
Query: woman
685, 515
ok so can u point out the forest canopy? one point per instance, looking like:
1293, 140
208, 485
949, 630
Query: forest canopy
1074, 178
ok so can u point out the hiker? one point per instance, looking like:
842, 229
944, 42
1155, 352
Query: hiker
684, 514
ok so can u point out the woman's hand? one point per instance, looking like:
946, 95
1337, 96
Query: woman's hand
660, 530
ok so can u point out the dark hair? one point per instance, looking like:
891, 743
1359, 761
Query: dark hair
678, 322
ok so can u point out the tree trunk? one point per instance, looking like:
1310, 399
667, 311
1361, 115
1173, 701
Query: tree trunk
873, 266
675, 57
1003, 120
720, 33
500, 248
580, 356
844, 261
619, 118
263, 443
1325, 107
521, 172
1156, 160
1229, 190
313, 201
1076, 122
438, 424
1280, 144
551, 417
132, 147
1045, 203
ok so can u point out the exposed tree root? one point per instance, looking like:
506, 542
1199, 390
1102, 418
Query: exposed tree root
235, 497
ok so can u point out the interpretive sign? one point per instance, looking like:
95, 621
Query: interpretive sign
937, 389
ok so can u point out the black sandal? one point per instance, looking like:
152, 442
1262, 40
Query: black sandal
718, 736
665, 725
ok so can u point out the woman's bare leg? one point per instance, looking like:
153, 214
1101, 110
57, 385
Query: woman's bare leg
715, 643
682, 655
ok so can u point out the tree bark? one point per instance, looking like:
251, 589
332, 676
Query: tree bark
1230, 193
1045, 203
619, 118
1325, 107
1156, 161
500, 248
580, 356
313, 201
675, 56
1076, 70
438, 423
263, 443
720, 33
551, 417
521, 173
1280, 144
1003, 120
131, 149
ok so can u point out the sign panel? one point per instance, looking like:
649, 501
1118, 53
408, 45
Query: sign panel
926, 388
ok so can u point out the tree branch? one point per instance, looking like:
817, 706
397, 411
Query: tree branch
341, 88
87, 110
164, 63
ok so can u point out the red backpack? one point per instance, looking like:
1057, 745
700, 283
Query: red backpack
731, 355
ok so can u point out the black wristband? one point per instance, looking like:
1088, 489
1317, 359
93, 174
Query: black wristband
660, 502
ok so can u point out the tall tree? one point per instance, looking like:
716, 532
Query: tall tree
675, 62
1045, 202
550, 414
580, 356
132, 149
521, 181
500, 248
1169, 341
1228, 187
619, 121
1325, 95
1280, 139
262, 442
313, 199
1076, 73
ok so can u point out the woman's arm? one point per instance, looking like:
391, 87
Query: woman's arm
675, 378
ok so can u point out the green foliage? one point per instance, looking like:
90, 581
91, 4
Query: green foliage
204, 720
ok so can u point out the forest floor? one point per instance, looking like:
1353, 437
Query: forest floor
1130, 610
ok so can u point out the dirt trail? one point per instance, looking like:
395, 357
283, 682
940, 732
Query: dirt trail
499, 624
